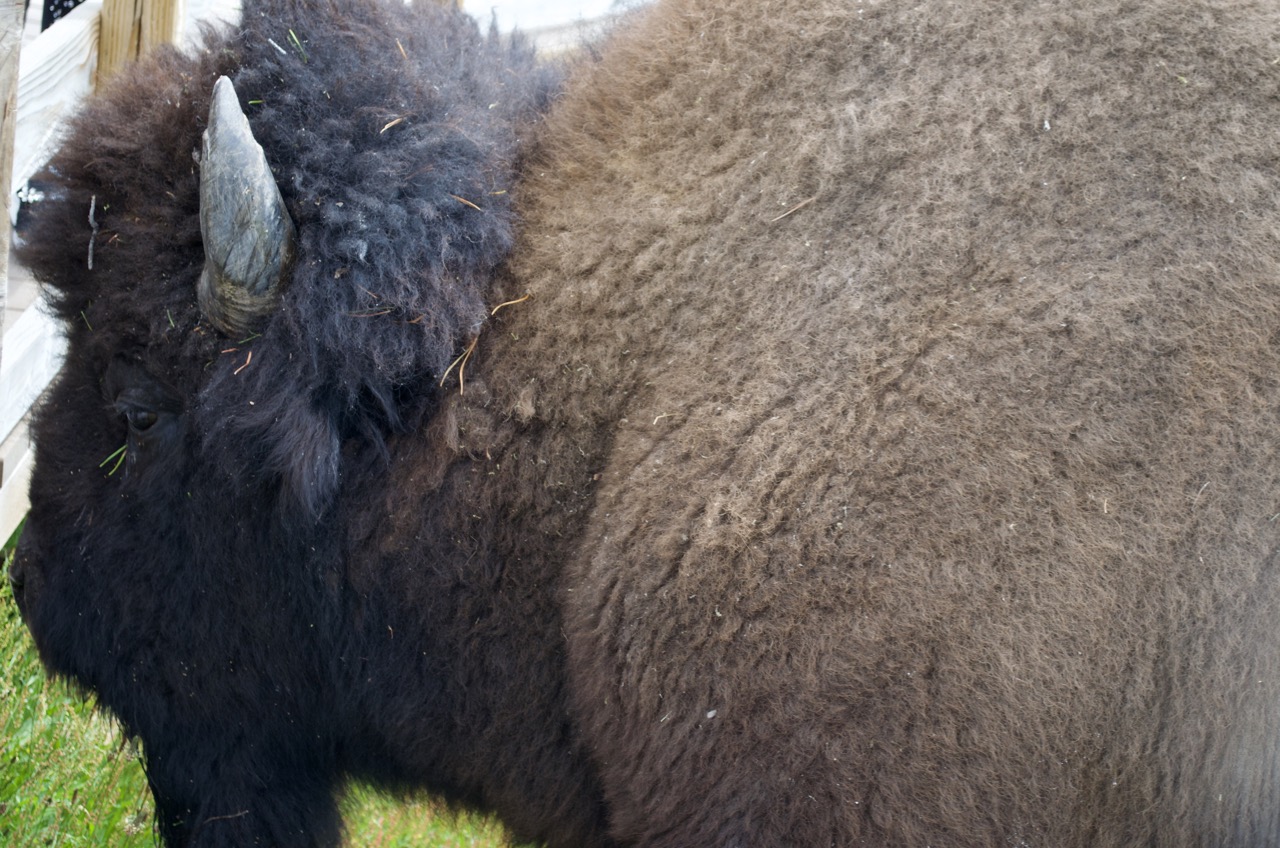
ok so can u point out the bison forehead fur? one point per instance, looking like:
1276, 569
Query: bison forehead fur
885, 453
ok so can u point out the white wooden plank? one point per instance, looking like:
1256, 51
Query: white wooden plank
32, 353
217, 12
534, 15
10, 46
13, 495
12, 450
55, 73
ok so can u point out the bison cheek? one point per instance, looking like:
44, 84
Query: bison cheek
29, 582
68, 613
24, 580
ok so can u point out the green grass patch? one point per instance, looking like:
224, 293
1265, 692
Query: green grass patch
68, 779
375, 820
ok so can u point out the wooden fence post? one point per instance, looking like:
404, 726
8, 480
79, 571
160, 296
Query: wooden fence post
11, 16
130, 28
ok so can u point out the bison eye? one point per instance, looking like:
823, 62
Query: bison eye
141, 420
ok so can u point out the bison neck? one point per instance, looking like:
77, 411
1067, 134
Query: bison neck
458, 671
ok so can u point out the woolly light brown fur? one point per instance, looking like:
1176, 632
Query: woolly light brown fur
941, 510
886, 455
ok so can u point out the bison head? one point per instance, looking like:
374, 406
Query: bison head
263, 259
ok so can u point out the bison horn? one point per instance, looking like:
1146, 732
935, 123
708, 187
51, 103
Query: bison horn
248, 236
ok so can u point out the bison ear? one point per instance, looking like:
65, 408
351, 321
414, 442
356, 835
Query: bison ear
308, 457
248, 236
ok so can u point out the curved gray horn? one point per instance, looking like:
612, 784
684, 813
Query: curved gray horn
248, 237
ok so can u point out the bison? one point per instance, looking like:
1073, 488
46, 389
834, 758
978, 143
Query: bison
869, 438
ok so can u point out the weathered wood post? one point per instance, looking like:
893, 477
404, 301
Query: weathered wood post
11, 18
130, 28
11, 12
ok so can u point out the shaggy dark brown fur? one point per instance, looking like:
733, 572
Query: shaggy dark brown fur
885, 455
